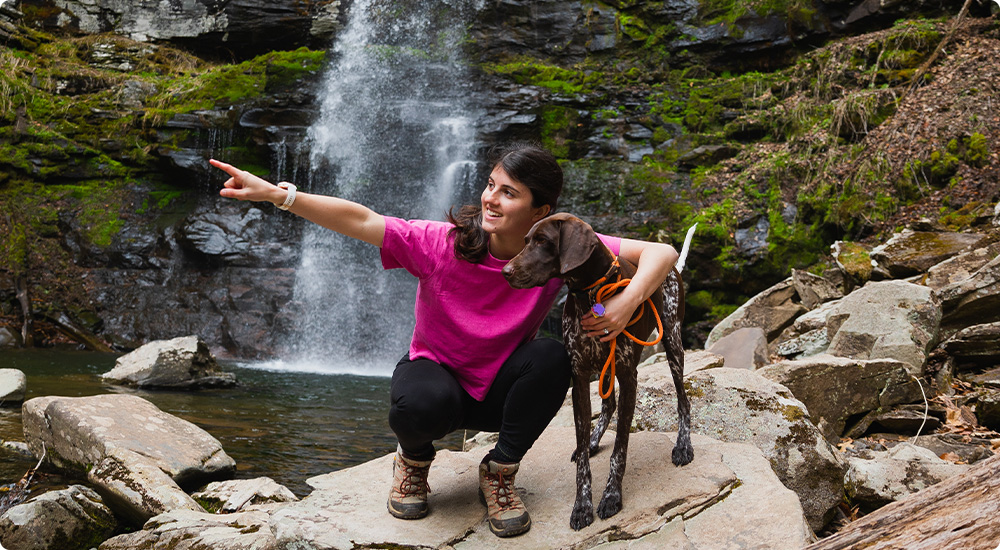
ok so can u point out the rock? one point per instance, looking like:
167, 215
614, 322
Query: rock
744, 348
885, 320
891, 475
996, 215
7, 338
834, 389
904, 421
977, 345
136, 455
988, 408
971, 301
854, 262
971, 451
726, 483
69, 519
240, 495
814, 290
913, 252
697, 360
739, 406
960, 267
195, 530
751, 241
13, 385
771, 310
706, 155
181, 363
989, 378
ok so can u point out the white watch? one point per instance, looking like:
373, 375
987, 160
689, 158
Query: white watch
290, 198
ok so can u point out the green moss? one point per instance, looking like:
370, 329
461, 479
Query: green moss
527, 70
559, 125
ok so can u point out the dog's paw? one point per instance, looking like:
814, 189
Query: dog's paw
576, 456
611, 504
683, 454
581, 517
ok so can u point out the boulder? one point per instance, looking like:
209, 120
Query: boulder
740, 406
972, 301
239, 495
969, 450
960, 267
190, 529
835, 389
814, 290
771, 310
910, 252
885, 320
13, 384
744, 348
663, 504
181, 363
74, 518
854, 262
136, 455
7, 338
886, 477
977, 345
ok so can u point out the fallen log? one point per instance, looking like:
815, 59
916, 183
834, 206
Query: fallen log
960, 513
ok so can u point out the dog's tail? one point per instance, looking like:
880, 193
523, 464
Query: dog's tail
685, 249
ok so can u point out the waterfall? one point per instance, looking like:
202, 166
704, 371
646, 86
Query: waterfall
396, 133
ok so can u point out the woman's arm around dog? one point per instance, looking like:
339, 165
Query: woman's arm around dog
343, 216
653, 263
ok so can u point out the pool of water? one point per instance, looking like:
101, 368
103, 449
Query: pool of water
279, 422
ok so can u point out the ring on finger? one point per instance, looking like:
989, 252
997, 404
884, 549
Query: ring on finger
606, 332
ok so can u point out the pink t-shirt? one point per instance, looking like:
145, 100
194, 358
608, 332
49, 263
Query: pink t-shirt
467, 317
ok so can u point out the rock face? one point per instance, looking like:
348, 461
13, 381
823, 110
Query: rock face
736, 405
13, 384
911, 252
836, 388
69, 519
744, 348
181, 363
240, 27
973, 300
772, 311
137, 456
238, 495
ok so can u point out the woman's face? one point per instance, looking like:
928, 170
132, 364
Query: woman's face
507, 210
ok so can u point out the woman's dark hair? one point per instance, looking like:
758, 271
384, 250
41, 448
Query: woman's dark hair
526, 163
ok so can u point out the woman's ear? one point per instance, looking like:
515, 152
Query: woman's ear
541, 212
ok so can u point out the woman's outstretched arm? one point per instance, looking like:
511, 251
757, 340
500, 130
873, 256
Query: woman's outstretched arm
343, 216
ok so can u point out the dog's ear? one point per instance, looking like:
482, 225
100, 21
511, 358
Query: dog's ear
577, 243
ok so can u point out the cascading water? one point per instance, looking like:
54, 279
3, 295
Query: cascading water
396, 134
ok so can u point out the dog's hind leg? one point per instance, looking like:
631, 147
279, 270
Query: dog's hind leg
583, 508
611, 501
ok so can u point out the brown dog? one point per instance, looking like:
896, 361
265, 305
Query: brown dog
565, 246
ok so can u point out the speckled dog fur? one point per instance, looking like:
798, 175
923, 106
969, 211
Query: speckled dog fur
564, 246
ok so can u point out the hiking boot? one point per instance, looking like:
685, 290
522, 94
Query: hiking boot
408, 496
506, 512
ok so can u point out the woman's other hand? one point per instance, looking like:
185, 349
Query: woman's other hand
244, 186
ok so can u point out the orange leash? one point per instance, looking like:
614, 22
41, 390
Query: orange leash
604, 292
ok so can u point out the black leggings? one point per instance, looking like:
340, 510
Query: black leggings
428, 403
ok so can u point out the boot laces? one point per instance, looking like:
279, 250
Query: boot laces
503, 492
414, 479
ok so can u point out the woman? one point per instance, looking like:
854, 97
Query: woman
474, 361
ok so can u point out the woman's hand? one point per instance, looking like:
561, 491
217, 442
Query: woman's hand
244, 186
618, 311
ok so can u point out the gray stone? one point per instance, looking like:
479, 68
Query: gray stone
978, 345
240, 495
969, 451
961, 267
972, 301
7, 338
912, 252
181, 363
13, 385
814, 290
74, 518
744, 348
854, 263
889, 476
740, 406
136, 455
772, 310
197, 530
886, 320
834, 389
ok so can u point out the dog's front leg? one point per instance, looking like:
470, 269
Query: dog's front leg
611, 501
583, 508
